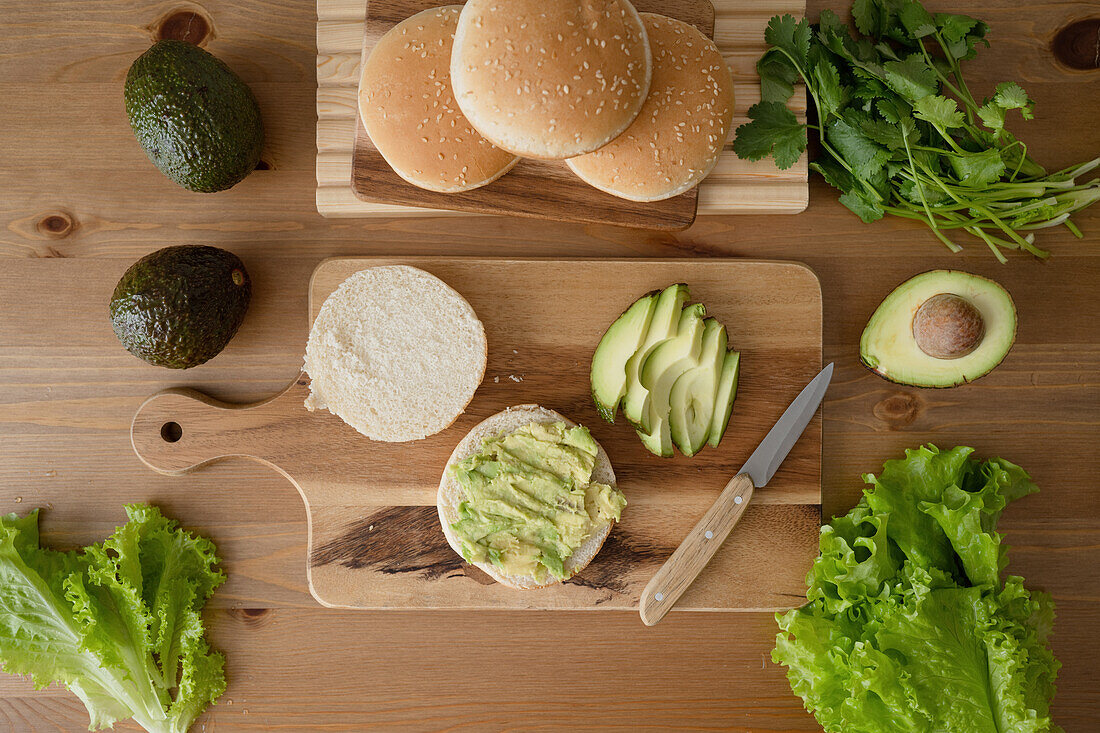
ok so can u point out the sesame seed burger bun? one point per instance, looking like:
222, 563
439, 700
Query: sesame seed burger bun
679, 134
409, 110
550, 78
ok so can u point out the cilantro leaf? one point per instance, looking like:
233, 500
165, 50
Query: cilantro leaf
865, 15
793, 36
939, 111
1010, 95
834, 174
961, 34
893, 109
909, 191
992, 115
888, 133
777, 76
826, 82
911, 78
917, 21
954, 28
774, 131
977, 169
862, 206
864, 156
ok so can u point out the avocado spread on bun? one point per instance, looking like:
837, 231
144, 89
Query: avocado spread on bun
531, 500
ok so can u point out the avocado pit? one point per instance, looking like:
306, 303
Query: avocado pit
948, 326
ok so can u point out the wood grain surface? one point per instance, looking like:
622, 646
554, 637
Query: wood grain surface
374, 536
344, 151
541, 189
81, 202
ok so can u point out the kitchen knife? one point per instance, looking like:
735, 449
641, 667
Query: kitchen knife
693, 554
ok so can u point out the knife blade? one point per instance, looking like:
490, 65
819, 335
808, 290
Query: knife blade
689, 559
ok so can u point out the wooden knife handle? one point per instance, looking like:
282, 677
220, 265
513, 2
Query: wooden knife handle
693, 554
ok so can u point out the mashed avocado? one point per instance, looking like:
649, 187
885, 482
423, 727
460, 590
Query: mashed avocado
529, 500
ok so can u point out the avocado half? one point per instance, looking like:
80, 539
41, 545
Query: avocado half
939, 329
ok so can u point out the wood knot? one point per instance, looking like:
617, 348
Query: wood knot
252, 617
56, 226
1078, 44
184, 25
898, 410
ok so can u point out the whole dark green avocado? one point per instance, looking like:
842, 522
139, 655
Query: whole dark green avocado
195, 118
179, 306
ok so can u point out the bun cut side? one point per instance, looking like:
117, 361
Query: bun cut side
410, 113
682, 127
550, 78
396, 353
450, 494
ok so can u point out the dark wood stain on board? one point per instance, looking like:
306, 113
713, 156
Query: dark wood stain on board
408, 539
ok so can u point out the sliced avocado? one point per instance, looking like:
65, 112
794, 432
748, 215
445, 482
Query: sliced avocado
662, 326
659, 442
939, 329
693, 397
723, 400
179, 306
198, 122
664, 366
621, 340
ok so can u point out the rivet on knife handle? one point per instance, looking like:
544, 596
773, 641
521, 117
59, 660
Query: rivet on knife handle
693, 554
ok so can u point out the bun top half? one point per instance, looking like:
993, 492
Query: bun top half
683, 126
409, 110
550, 78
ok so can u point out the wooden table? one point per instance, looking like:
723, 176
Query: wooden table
79, 202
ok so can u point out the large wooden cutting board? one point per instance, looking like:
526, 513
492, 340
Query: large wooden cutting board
374, 536
541, 189
734, 186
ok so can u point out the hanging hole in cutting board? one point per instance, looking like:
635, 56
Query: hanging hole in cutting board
171, 432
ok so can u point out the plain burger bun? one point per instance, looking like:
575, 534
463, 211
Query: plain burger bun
409, 110
679, 134
396, 353
450, 493
550, 78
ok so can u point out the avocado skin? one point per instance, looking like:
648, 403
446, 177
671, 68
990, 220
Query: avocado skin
194, 117
179, 306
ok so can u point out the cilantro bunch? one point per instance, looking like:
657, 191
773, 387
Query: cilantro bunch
901, 133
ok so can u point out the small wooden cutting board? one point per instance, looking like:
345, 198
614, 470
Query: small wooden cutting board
374, 535
543, 189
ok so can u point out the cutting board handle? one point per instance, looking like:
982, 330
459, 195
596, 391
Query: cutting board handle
178, 430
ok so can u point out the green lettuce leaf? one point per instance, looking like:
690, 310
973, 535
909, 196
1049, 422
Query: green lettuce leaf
118, 623
908, 625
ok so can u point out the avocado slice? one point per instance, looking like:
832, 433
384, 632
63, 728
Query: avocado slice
659, 442
939, 329
179, 306
662, 368
694, 394
620, 342
198, 122
723, 399
662, 326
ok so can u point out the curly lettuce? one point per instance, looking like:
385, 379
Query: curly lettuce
119, 623
908, 626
